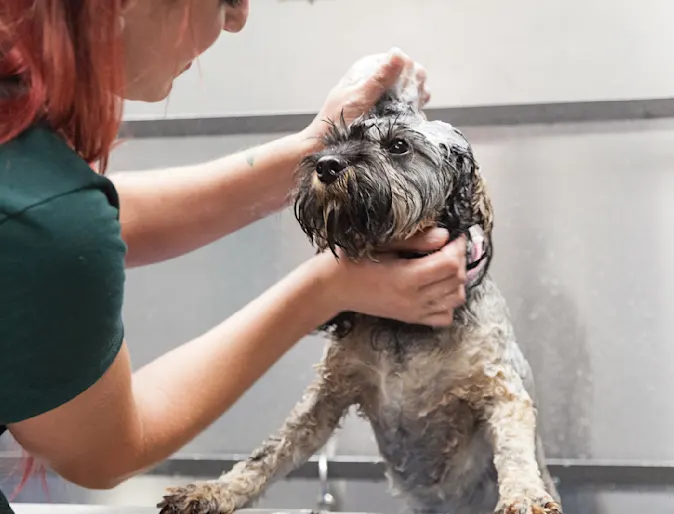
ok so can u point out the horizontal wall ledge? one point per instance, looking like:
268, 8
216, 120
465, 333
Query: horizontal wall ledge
470, 116
565, 471
583, 472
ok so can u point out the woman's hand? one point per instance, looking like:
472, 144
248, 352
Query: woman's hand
362, 86
425, 290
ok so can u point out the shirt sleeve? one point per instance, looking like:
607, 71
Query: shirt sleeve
61, 292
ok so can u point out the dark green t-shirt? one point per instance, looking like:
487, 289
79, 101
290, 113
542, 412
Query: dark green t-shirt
61, 276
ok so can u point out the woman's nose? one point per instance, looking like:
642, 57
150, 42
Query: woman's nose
235, 19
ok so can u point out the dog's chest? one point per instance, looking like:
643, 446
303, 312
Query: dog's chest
408, 386
415, 407
412, 379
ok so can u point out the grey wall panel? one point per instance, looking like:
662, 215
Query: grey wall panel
583, 246
171, 302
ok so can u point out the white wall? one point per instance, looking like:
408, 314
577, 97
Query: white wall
477, 52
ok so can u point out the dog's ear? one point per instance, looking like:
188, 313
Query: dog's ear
482, 209
468, 205
468, 202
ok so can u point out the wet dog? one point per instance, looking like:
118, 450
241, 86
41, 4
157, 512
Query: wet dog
452, 409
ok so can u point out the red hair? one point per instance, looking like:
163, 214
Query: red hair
63, 64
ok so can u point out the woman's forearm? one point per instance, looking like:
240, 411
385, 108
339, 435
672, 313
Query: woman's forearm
124, 424
183, 392
167, 213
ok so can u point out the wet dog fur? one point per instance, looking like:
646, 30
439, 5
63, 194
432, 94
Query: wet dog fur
453, 409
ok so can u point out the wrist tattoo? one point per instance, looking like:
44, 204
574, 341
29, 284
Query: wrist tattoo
250, 158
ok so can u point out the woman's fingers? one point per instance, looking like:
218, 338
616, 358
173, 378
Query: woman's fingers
447, 294
425, 290
439, 319
421, 242
448, 262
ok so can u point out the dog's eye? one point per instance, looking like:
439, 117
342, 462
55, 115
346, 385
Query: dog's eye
399, 147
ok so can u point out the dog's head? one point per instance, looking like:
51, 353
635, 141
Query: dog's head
389, 175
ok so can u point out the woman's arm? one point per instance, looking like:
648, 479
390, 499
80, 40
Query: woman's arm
167, 213
121, 426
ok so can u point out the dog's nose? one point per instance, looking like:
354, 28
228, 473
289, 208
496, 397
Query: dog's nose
328, 168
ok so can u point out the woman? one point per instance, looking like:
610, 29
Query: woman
67, 393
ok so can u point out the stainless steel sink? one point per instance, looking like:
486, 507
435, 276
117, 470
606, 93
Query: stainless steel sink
45, 508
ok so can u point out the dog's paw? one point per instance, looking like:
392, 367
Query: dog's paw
202, 498
542, 505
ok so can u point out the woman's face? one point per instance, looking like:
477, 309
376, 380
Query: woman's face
163, 37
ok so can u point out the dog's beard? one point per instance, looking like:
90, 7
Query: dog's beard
370, 205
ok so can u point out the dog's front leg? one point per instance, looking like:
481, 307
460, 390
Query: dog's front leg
510, 416
304, 432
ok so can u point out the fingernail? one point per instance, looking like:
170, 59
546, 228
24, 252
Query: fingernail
396, 52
